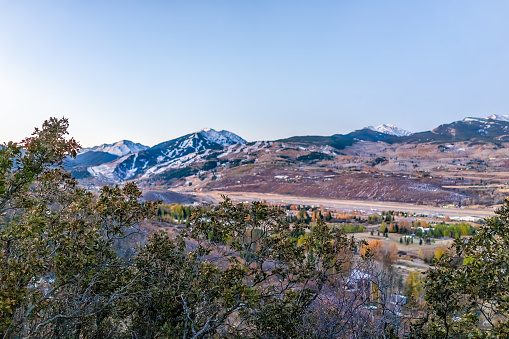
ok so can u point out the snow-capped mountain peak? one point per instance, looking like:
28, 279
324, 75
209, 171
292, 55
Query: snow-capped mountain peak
499, 117
224, 138
176, 153
119, 148
390, 129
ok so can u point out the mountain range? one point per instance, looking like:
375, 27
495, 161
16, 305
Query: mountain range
204, 150
126, 160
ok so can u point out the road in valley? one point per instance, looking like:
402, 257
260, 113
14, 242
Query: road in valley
215, 196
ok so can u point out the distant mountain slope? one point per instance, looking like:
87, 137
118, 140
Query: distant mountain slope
175, 153
488, 130
207, 149
337, 141
469, 129
340, 141
367, 134
90, 158
205, 138
444, 165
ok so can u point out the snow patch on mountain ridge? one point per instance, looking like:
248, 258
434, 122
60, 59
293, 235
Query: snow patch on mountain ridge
223, 138
390, 129
499, 117
119, 148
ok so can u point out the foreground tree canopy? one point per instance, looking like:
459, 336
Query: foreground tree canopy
235, 270
467, 292
59, 269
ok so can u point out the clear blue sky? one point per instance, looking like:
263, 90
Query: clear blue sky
151, 71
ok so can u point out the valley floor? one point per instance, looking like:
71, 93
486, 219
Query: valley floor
215, 196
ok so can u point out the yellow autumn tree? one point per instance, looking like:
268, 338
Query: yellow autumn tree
440, 251
413, 286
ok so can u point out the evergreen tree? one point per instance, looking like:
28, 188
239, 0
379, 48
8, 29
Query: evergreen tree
303, 216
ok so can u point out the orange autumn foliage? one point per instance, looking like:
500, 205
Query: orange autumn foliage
382, 251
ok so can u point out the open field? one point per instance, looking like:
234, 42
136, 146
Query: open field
215, 196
